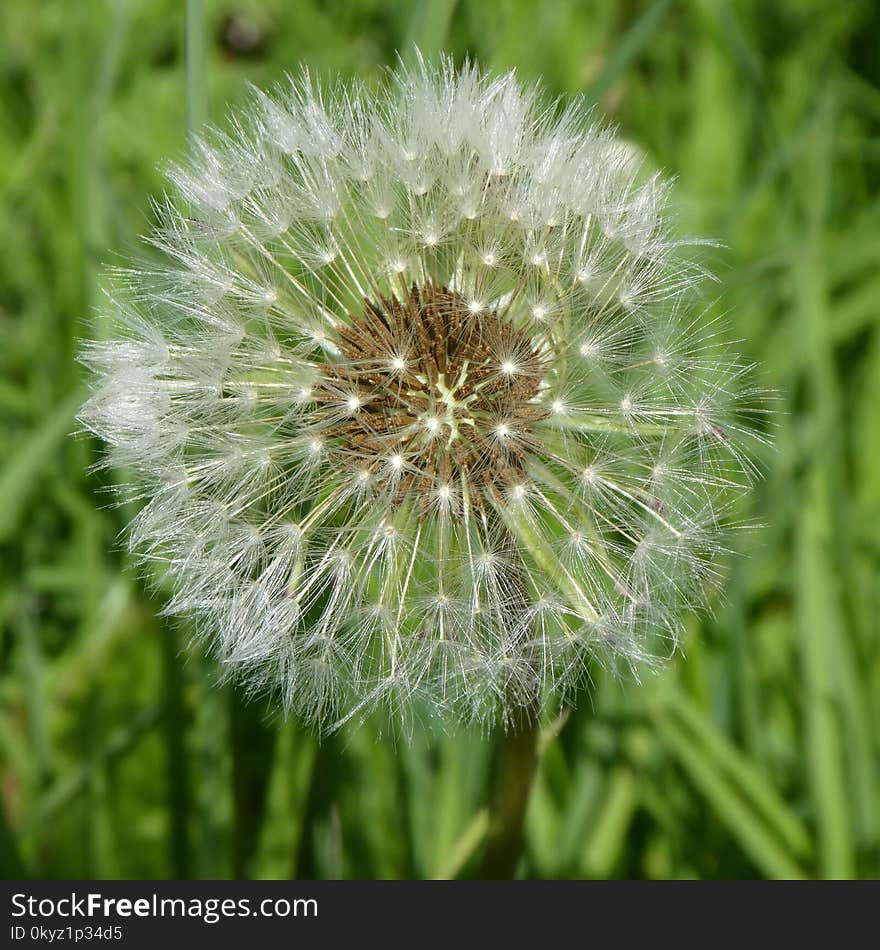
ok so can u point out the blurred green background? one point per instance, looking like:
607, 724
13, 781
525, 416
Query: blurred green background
756, 755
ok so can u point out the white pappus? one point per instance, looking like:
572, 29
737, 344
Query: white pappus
421, 400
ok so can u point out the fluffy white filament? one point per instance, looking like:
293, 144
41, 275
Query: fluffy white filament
346, 578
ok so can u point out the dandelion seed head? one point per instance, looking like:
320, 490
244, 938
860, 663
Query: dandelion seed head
422, 404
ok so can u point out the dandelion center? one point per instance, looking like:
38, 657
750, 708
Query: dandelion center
451, 411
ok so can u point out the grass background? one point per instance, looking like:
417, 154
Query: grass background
756, 756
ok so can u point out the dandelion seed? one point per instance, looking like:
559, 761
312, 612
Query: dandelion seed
421, 400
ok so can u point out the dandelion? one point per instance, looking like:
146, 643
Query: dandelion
421, 400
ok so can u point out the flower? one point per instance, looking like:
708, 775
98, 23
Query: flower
421, 399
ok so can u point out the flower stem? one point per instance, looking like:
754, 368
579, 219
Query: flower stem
511, 784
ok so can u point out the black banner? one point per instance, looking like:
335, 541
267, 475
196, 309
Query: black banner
135, 914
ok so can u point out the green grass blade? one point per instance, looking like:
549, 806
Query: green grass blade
746, 776
60, 795
754, 837
474, 834
253, 744
628, 49
195, 54
820, 628
428, 28
283, 826
613, 820
26, 466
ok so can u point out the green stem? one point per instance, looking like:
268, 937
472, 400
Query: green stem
512, 782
